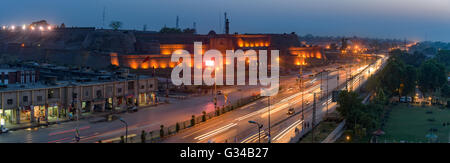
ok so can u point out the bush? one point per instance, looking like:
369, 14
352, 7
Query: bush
193, 120
204, 116
161, 131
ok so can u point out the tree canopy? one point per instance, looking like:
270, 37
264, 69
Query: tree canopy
115, 25
432, 75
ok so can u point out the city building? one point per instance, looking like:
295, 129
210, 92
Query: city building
50, 100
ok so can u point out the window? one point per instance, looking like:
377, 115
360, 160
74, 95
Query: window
39, 98
25, 99
151, 86
86, 93
9, 102
119, 90
142, 87
99, 94
131, 85
50, 94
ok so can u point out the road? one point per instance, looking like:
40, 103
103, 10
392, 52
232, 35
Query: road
230, 127
147, 119
234, 126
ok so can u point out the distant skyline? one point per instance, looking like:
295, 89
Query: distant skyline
411, 19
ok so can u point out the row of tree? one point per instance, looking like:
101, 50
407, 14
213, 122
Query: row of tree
403, 72
400, 76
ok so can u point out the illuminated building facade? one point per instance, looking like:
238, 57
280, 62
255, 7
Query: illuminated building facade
163, 45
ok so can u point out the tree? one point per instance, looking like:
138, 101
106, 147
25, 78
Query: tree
380, 97
392, 75
143, 136
193, 120
170, 30
115, 25
349, 106
358, 115
409, 79
445, 91
161, 131
432, 75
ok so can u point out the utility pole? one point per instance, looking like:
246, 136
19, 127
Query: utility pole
313, 117
327, 94
268, 101
301, 88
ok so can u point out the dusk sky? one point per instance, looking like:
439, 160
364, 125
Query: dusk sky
412, 19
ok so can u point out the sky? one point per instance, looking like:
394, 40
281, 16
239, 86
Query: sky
411, 19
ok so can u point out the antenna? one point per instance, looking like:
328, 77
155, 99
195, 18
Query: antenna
177, 22
195, 27
103, 17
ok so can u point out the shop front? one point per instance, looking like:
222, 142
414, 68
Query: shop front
109, 104
131, 101
54, 112
119, 102
8, 116
26, 115
143, 99
39, 113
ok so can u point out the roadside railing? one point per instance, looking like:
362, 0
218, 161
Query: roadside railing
156, 136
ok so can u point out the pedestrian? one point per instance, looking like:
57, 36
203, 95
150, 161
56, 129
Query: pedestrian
122, 139
143, 135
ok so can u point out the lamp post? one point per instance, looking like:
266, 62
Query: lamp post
301, 87
268, 101
259, 129
211, 64
126, 129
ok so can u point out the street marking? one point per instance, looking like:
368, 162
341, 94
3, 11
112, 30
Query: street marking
216, 131
66, 131
285, 131
253, 137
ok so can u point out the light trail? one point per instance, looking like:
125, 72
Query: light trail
216, 131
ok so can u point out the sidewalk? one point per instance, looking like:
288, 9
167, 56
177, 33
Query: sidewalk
93, 117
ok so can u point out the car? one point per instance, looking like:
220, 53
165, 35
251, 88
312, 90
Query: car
403, 99
291, 111
132, 109
307, 102
4, 130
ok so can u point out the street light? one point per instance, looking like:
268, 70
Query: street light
126, 129
210, 63
2, 123
259, 129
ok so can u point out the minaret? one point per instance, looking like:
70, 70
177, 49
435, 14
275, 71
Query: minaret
227, 24
177, 25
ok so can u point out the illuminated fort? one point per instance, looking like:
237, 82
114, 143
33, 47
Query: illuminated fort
155, 49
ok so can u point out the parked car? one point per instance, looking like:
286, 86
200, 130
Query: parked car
291, 111
132, 109
403, 99
4, 130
